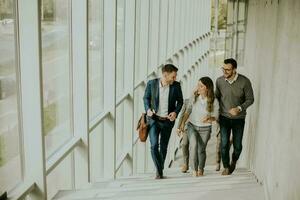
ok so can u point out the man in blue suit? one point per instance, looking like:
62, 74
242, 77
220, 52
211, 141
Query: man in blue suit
162, 101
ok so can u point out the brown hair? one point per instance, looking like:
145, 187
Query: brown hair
231, 61
169, 68
210, 93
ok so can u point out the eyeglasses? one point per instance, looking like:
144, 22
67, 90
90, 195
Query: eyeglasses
226, 70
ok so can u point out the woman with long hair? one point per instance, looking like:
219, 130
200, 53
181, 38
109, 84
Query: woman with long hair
203, 109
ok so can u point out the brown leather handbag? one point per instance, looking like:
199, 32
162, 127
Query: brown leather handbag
143, 128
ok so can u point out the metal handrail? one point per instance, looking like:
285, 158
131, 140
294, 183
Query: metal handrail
98, 120
143, 82
121, 160
56, 158
22, 191
124, 97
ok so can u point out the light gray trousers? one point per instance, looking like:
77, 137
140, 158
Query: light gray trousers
185, 147
199, 137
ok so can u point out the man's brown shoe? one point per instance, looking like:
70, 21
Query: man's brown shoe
157, 177
218, 167
194, 173
184, 168
225, 172
200, 172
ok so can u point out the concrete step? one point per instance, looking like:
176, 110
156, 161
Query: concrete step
241, 185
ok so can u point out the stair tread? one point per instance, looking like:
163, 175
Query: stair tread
176, 182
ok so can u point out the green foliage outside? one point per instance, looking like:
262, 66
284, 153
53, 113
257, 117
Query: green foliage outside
7, 68
48, 10
49, 118
222, 16
6, 9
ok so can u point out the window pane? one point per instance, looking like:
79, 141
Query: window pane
95, 57
9, 133
137, 69
61, 178
56, 73
97, 153
120, 46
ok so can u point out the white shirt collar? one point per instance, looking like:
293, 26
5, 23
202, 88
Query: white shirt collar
160, 84
233, 80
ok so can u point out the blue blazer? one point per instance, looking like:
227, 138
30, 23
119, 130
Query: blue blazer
175, 96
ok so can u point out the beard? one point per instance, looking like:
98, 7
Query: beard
171, 82
228, 76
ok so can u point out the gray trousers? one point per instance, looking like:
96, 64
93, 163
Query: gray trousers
199, 137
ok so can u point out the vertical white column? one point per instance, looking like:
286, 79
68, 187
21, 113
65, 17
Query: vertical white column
190, 21
141, 148
153, 37
80, 92
129, 83
182, 23
144, 37
216, 17
236, 18
170, 28
138, 149
202, 10
195, 21
198, 18
142, 14
176, 26
31, 96
163, 28
109, 87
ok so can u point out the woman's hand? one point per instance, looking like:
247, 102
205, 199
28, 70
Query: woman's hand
180, 130
208, 119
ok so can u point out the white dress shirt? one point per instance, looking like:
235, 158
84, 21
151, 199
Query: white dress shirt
199, 112
163, 100
233, 80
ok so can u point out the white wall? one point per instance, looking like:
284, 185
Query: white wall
112, 55
272, 63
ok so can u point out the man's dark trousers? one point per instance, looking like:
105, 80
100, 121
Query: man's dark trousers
159, 145
237, 127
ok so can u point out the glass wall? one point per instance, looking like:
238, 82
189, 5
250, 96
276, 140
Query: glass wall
61, 178
93, 82
96, 85
96, 69
120, 85
57, 73
235, 30
9, 123
138, 70
120, 46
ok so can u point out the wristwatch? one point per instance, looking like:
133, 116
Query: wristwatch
240, 108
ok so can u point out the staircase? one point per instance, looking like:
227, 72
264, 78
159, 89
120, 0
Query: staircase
241, 185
